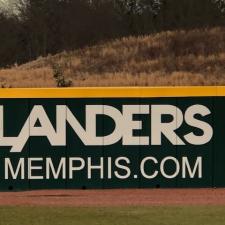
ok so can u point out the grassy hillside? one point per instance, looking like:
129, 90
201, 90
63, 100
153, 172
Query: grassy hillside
195, 57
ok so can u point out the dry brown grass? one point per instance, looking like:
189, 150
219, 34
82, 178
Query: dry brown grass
194, 57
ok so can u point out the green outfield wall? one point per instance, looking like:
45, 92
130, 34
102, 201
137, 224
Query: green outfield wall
112, 138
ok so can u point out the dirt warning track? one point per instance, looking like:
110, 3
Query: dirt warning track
118, 197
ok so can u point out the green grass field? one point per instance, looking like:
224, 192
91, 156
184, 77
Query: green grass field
183, 215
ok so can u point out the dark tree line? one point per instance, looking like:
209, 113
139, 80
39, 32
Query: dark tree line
40, 27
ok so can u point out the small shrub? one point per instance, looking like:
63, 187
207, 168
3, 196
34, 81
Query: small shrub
58, 74
5, 85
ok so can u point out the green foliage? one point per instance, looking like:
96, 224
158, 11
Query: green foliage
5, 85
58, 74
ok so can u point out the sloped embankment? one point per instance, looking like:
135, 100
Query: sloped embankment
195, 57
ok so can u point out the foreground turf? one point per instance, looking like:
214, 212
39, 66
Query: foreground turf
106, 216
